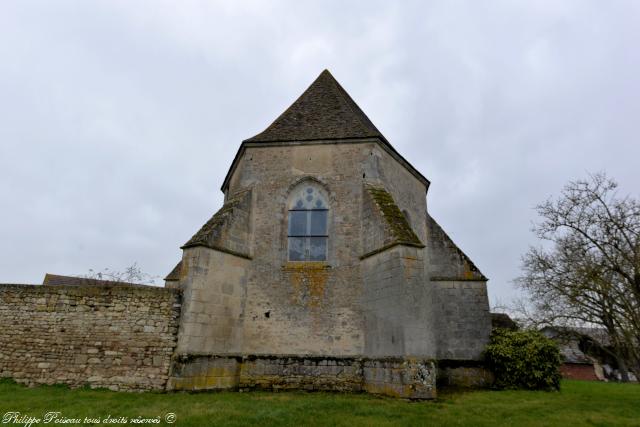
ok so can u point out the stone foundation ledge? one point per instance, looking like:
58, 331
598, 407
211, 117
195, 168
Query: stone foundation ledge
463, 374
403, 377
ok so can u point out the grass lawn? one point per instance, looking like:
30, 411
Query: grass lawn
579, 403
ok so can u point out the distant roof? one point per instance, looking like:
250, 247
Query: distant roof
57, 280
568, 340
600, 335
324, 111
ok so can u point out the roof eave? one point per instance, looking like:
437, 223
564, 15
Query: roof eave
380, 139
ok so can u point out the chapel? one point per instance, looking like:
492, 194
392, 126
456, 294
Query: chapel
324, 270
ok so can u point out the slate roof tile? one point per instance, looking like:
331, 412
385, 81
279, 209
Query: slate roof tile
324, 111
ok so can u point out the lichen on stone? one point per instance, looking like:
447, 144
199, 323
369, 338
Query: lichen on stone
396, 221
308, 280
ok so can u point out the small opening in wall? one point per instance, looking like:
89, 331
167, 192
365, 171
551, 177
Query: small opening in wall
393, 339
267, 314
364, 175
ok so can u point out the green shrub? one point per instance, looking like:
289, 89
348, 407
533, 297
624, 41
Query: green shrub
523, 360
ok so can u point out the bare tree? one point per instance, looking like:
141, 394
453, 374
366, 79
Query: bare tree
131, 274
590, 272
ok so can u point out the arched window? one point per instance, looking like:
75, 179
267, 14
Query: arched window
307, 231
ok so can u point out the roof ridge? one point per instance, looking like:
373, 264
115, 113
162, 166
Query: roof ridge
354, 107
350, 103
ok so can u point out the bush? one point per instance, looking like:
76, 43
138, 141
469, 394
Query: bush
523, 360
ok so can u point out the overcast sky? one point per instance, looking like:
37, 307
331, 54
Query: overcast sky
119, 120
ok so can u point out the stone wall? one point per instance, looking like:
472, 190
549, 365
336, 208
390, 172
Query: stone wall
409, 193
373, 298
304, 308
397, 377
464, 374
463, 321
461, 303
117, 337
397, 304
214, 291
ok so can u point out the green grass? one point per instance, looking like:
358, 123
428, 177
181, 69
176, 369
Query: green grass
579, 403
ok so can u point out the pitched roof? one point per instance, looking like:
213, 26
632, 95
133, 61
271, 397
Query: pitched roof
568, 341
600, 335
324, 111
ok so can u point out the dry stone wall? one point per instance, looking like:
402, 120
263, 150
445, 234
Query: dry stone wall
117, 337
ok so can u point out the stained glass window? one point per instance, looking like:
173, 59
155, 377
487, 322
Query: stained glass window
308, 225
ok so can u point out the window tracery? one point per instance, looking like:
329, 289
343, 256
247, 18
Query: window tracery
307, 225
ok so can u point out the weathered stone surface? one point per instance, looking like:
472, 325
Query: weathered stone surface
463, 374
393, 284
228, 229
88, 335
397, 305
312, 308
462, 319
398, 377
214, 291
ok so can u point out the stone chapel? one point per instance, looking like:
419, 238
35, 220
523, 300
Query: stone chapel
323, 268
